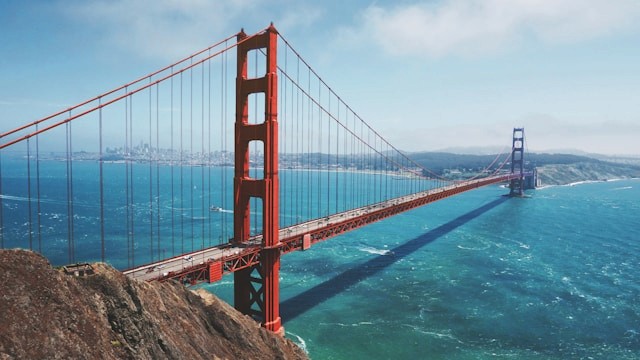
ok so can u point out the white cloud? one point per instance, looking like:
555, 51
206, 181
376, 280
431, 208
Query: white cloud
165, 29
171, 29
469, 27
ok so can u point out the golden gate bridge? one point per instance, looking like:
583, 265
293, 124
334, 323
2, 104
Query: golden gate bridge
170, 177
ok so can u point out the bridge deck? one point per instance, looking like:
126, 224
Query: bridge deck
197, 266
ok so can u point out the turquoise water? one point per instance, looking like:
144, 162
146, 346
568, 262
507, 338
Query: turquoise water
479, 275
553, 276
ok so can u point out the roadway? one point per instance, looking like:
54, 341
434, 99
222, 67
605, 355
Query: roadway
244, 255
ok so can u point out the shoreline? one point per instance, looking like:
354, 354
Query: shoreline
583, 182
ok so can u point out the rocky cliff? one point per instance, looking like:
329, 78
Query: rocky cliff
48, 314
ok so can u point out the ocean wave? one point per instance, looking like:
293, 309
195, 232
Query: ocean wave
300, 342
34, 199
474, 248
623, 188
435, 334
349, 325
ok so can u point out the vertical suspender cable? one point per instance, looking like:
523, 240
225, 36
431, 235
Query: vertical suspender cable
299, 118
287, 179
361, 156
126, 173
37, 192
353, 165
285, 145
30, 222
157, 161
223, 111
209, 164
320, 212
374, 166
191, 155
380, 164
284, 198
369, 163
364, 173
70, 226
181, 167
149, 150
329, 158
132, 213
223, 174
309, 144
379, 160
337, 156
202, 157
292, 102
171, 165
101, 180
386, 170
282, 145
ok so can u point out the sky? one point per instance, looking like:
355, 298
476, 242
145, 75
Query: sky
428, 74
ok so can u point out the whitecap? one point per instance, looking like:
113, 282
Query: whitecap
623, 188
630, 334
438, 335
473, 248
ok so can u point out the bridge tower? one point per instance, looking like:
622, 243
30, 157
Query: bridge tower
256, 289
517, 163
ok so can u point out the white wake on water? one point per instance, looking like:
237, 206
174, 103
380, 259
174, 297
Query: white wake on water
375, 251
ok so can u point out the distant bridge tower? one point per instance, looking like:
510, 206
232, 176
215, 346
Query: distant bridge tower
256, 289
517, 163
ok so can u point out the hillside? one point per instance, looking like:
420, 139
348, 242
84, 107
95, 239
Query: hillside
553, 169
561, 174
47, 314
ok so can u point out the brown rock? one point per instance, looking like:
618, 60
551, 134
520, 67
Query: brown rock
46, 314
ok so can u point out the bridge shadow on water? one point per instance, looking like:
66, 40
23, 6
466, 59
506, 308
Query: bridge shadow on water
299, 304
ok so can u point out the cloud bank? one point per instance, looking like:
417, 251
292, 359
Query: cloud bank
472, 27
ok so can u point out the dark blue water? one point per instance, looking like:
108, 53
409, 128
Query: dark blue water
552, 276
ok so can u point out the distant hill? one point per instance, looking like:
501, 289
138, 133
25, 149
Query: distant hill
439, 161
553, 169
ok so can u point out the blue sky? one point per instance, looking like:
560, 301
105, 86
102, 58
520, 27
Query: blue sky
427, 74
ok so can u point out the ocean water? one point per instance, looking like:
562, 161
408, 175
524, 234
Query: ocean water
476, 276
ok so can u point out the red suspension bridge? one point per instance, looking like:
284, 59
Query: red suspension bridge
153, 178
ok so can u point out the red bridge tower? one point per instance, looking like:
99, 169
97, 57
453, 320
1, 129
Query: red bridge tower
256, 289
517, 185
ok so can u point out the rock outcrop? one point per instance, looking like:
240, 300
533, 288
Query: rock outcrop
47, 314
